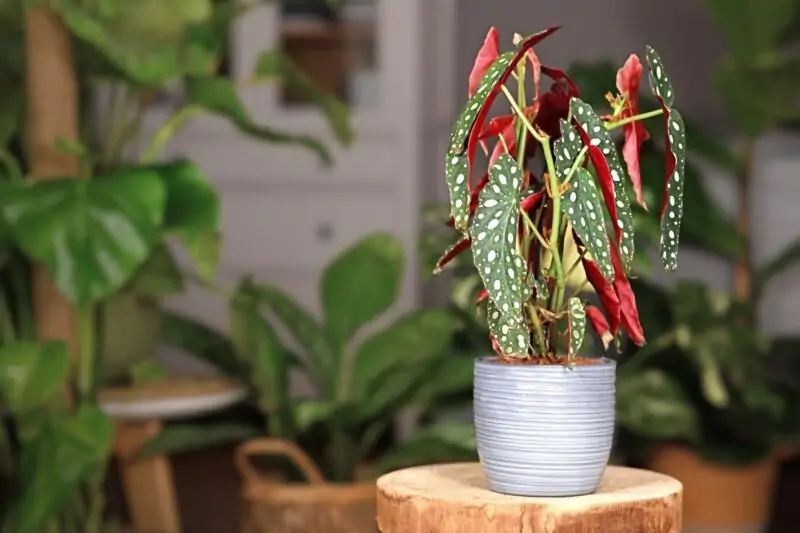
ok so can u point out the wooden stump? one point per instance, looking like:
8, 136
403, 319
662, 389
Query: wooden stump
454, 498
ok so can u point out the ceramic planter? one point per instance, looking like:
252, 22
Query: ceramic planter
717, 498
544, 430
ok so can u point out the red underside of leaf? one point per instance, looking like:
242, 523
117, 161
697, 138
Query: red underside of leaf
628, 80
599, 323
482, 296
477, 125
496, 347
605, 292
532, 201
486, 56
553, 105
629, 313
459, 247
604, 177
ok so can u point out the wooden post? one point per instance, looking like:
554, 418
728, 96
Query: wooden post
52, 112
454, 498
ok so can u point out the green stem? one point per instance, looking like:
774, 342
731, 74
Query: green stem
86, 344
522, 138
555, 228
532, 227
634, 118
537, 328
578, 162
168, 130
523, 119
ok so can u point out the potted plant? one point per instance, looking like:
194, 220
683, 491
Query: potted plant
539, 394
365, 370
102, 235
712, 400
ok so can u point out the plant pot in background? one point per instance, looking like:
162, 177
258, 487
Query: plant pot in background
544, 430
717, 498
313, 507
130, 333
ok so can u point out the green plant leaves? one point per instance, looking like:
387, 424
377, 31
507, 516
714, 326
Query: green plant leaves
360, 284
576, 317
608, 168
753, 28
581, 203
273, 65
456, 170
509, 330
417, 336
494, 238
31, 375
445, 442
92, 236
63, 454
159, 276
181, 438
218, 95
672, 208
184, 333
652, 404
308, 333
256, 342
466, 119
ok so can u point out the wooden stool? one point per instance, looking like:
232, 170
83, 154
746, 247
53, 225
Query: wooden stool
454, 498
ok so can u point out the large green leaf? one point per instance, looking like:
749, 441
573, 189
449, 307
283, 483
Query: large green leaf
320, 356
31, 374
184, 333
54, 465
150, 41
456, 170
273, 65
494, 248
417, 336
576, 316
256, 342
437, 443
360, 284
581, 204
159, 276
218, 95
753, 27
182, 438
755, 106
92, 236
598, 136
653, 405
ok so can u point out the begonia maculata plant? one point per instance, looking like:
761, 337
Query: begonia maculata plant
554, 171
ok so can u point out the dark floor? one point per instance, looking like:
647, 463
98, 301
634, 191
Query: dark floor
208, 492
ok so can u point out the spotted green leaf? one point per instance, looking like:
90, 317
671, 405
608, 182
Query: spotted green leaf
577, 325
494, 237
582, 206
456, 169
509, 330
566, 149
659, 80
599, 137
541, 288
673, 209
463, 125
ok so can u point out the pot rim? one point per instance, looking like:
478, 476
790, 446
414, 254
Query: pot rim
493, 360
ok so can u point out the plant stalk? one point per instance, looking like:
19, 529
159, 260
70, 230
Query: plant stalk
743, 267
634, 118
86, 342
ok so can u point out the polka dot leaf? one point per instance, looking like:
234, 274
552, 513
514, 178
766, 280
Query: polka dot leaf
672, 211
509, 330
577, 325
610, 174
494, 238
466, 121
582, 206
456, 171
541, 288
659, 80
566, 150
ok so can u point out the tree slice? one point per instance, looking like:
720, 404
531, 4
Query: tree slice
454, 498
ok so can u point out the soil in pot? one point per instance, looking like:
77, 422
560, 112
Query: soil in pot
717, 498
313, 507
544, 428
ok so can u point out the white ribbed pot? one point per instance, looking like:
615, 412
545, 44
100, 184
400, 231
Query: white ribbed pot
544, 430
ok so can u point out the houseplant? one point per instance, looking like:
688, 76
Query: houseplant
103, 234
731, 388
515, 224
363, 378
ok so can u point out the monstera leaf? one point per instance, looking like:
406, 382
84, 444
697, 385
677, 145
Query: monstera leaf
91, 236
31, 374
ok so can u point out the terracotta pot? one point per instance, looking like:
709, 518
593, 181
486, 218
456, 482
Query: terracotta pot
313, 507
716, 498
